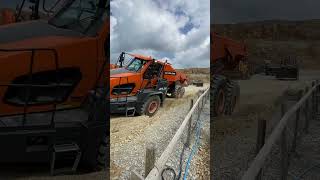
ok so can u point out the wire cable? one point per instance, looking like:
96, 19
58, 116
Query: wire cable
193, 151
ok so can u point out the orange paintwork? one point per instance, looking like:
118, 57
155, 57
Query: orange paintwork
137, 77
85, 53
113, 66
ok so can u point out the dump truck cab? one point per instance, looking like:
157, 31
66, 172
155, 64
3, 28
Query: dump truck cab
53, 88
142, 78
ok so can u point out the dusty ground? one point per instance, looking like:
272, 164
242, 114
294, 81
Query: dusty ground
306, 163
234, 137
129, 135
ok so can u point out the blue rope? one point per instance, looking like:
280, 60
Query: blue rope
193, 151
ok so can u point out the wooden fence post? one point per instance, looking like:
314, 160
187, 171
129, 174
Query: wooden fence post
316, 98
313, 101
284, 155
306, 125
149, 158
283, 147
261, 134
199, 111
189, 126
296, 124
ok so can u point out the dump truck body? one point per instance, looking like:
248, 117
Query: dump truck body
230, 58
228, 61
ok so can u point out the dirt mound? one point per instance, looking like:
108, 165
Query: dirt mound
195, 70
194, 74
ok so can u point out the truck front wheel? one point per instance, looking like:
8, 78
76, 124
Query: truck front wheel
218, 95
150, 106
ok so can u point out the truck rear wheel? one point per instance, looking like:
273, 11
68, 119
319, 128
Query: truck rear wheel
96, 151
98, 157
102, 158
232, 96
150, 107
218, 95
178, 91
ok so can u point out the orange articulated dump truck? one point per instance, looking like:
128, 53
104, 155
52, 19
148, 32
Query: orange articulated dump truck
54, 88
142, 85
228, 58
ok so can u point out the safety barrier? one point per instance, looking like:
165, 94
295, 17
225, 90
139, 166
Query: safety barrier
282, 132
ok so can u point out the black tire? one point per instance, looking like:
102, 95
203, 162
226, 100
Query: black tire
297, 74
181, 92
145, 108
103, 155
178, 91
232, 96
218, 86
95, 156
101, 159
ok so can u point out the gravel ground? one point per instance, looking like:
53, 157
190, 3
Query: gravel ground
129, 135
306, 162
35, 172
200, 166
234, 137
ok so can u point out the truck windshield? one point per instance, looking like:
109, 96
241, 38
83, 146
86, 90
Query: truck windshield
136, 64
80, 15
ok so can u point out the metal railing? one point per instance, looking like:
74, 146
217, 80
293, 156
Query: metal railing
281, 133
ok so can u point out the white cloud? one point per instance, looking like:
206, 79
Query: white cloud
153, 27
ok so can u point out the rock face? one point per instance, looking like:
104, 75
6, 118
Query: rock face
277, 40
195, 70
272, 30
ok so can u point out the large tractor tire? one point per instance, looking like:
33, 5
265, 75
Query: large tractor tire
150, 107
232, 96
103, 155
96, 156
101, 159
178, 91
218, 95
